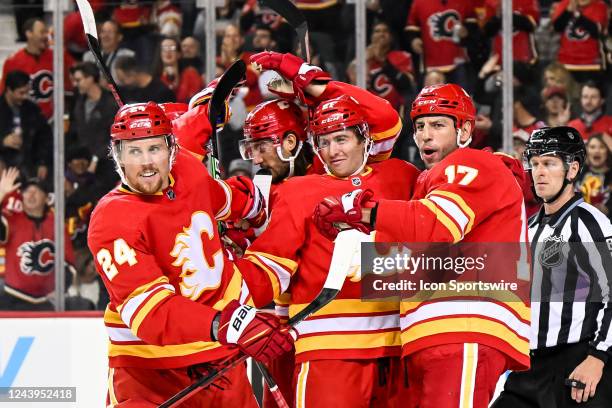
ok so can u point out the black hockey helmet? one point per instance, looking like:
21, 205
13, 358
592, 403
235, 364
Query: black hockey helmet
562, 141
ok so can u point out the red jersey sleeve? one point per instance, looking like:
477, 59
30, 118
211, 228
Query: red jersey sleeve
283, 237
384, 121
138, 288
456, 199
191, 83
413, 23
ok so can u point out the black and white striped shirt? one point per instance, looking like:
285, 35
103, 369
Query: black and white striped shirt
571, 286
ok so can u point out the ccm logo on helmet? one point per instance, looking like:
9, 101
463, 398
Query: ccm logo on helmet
332, 118
141, 124
426, 102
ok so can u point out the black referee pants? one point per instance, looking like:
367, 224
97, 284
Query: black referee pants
543, 386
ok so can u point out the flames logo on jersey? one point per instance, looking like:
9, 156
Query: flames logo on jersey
36, 257
441, 24
42, 85
576, 33
197, 273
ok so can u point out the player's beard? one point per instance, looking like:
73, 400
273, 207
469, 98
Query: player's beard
147, 185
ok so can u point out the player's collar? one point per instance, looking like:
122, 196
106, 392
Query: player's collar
365, 172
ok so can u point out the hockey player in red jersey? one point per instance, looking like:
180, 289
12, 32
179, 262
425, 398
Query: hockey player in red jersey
276, 139
456, 345
356, 341
155, 243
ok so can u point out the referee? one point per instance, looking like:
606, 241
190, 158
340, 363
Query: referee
571, 312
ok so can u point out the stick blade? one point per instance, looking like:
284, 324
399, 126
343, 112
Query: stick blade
87, 16
287, 10
347, 243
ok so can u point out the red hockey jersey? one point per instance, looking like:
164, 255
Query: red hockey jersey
523, 42
11, 204
470, 196
296, 257
381, 85
434, 20
164, 268
603, 124
40, 69
579, 50
30, 256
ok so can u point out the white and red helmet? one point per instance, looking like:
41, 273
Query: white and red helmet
338, 114
140, 121
333, 115
273, 121
446, 100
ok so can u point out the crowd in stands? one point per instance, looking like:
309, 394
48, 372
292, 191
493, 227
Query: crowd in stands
562, 53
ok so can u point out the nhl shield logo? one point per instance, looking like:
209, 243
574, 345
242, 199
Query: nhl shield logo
552, 253
356, 181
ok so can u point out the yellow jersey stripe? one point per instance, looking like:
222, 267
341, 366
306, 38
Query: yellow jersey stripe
151, 351
458, 324
347, 341
146, 308
443, 219
461, 203
142, 289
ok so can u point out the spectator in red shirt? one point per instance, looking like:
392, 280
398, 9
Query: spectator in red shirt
390, 72
582, 24
592, 119
36, 60
231, 50
30, 248
184, 80
438, 31
525, 18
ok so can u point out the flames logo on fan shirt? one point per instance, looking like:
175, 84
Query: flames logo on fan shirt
36, 257
197, 273
576, 33
42, 85
441, 24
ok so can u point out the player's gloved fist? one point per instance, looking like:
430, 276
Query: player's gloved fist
288, 65
292, 68
254, 210
257, 334
337, 213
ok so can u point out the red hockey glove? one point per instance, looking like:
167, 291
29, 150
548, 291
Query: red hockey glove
288, 65
254, 210
257, 334
292, 68
337, 213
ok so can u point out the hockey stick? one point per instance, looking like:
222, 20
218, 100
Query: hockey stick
338, 269
287, 10
230, 78
89, 25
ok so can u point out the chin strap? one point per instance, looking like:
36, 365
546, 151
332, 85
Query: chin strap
566, 182
290, 159
466, 143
